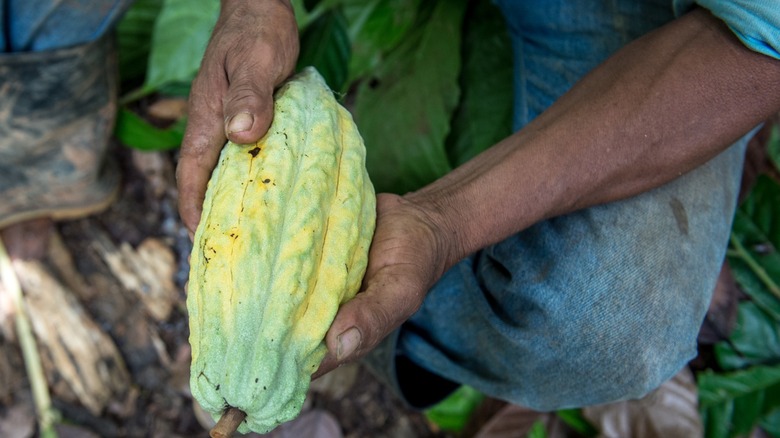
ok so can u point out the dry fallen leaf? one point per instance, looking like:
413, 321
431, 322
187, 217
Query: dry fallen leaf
172, 108
18, 421
337, 383
157, 170
316, 423
514, 421
670, 411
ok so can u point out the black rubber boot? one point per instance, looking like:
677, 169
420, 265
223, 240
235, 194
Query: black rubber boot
57, 114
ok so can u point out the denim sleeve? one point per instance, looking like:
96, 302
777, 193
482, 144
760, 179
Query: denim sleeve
755, 22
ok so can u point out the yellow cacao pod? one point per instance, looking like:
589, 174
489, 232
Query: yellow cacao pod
282, 242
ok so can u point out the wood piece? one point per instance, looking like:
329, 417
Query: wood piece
228, 424
73, 346
147, 271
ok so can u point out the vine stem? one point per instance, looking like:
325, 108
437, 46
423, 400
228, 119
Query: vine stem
134, 95
228, 423
742, 252
47, 416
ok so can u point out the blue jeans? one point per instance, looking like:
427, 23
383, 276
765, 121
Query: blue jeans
40, 25
596, 306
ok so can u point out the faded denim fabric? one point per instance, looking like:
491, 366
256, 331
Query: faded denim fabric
39, 25
755, 22
596, 306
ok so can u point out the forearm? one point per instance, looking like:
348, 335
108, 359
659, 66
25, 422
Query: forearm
660, 107
225, 3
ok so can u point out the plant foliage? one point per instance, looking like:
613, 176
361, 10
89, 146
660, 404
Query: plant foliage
747, 393
428, 88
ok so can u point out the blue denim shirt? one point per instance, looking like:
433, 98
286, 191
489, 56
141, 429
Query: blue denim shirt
755, 22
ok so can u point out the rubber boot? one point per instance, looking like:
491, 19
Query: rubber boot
57, 114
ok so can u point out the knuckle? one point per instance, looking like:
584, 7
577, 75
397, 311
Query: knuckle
244, 96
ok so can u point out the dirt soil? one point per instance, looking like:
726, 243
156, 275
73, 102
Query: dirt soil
122, 274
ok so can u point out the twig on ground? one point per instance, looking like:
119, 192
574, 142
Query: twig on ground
47, 416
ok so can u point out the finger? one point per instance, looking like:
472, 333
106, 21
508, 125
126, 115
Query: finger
202, 143
365, 320
248, 106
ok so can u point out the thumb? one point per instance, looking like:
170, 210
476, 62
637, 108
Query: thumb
248, 108
364, 321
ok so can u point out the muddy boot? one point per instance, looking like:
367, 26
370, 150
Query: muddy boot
57, 113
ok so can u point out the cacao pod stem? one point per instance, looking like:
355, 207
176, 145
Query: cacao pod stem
228, 423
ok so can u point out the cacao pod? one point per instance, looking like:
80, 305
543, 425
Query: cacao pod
282, 242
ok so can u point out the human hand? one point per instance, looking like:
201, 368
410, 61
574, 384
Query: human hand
408, 255
253, 49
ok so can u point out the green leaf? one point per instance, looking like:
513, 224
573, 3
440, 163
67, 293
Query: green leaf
754, 258
537, 430
305, 14
771, 424
180, 89
484, 116
325, 45
717, 420
773, 147
181, 34
755, 340
134, 38
133, 131
302, 15
375, 28
575, 420
404, 110
454, 412
753, 286
733, 403
762, 209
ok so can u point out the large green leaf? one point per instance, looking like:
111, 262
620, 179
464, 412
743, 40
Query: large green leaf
755, 340
484, 116
325, 45
133, 131
404, 110
754, 257
375, 28
181, 34
134, 37
731, 404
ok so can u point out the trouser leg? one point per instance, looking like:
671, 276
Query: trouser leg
57, 112
58, 91
40, 25
595, 306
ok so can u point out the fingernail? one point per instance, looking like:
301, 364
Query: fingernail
240, 122
349, 341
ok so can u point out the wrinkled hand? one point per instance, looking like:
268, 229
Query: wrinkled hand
407, 256
253, 48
